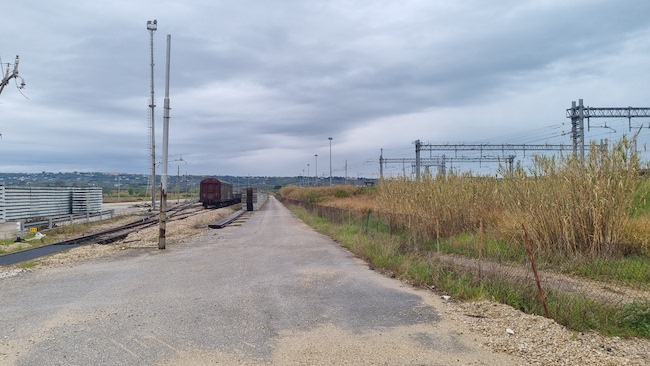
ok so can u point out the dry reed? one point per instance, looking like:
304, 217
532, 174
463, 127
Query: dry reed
570, 206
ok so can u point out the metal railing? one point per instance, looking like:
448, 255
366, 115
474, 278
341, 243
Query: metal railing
51, 222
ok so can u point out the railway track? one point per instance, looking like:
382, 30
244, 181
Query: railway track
104, 237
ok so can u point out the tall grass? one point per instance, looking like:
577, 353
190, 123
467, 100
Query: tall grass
353, 197
572, 207
449, 205
568, 206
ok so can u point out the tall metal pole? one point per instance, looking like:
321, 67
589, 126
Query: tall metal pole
329, 138
152, 27
163, 176
307, 174
178, 178
316, 171
417, 159
581, 111
381, 164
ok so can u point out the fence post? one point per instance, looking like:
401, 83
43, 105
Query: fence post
438, 234
532, 262
480, 249
367, 222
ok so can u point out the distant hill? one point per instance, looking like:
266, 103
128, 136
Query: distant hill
113, 181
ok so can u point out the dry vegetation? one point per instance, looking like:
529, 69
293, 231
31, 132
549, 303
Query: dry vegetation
568, 207
360, 199
588, 220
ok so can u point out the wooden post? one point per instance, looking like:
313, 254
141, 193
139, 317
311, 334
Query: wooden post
532, 262
438, 234
480, 248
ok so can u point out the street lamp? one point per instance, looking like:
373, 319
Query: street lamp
152, 27
316, 171
307, 174
10, 75
329, 138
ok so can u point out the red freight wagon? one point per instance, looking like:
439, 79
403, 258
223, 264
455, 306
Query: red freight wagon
214, 192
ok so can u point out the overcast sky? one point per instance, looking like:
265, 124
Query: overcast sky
257, 87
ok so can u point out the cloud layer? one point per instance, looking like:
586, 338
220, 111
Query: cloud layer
258, 87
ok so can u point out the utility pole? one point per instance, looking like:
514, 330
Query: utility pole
346, 172
178, 176
316, 171
381, 165
11, 75
329, 138
418, 146
163, 187
152, 27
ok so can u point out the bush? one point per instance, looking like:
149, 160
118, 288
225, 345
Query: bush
339, 193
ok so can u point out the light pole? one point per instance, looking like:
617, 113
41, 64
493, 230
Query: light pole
11, 75
307, 174
316, 171
165, 151
329, 138
178, 176
152, 27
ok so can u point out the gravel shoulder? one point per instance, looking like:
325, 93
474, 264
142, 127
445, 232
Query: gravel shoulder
531, 340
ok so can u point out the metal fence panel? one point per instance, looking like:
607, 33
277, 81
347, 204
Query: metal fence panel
20, 203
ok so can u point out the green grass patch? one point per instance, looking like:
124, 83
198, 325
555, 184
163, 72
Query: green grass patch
396, 254
641, 201
27, 264
339, 193
633, 270
468, 245
636, 318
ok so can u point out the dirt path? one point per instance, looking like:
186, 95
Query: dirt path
595, 290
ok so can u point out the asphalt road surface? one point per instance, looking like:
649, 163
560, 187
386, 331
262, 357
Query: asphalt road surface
271, 291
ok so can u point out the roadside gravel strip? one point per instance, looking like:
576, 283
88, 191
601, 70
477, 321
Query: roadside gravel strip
271, 291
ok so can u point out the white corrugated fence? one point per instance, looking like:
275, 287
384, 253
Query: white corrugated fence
21, 203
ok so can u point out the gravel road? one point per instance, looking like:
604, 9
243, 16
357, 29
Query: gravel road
268, 291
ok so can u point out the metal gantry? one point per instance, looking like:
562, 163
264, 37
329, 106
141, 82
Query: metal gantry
578, 112
441, 162
419, 146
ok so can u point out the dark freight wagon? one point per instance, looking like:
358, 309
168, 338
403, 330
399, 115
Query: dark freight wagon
214, 192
